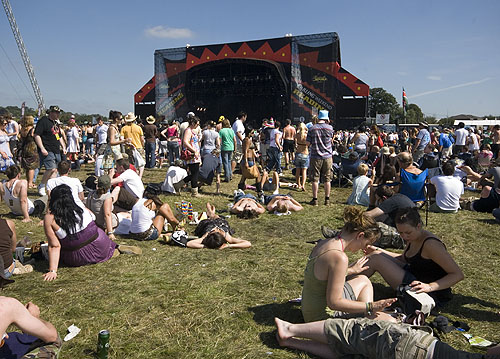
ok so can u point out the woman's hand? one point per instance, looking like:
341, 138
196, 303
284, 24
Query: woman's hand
370, 249
4, 155
50, 276
420, 287
358, 266
380, 305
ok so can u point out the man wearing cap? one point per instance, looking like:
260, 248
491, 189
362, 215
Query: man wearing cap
48, 138
319, 139
423, 138
134, 132
150, 134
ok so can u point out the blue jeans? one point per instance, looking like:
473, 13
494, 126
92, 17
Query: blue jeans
226, 163
173, 151
150, 154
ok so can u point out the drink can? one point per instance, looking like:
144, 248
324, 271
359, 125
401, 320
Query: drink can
103, 344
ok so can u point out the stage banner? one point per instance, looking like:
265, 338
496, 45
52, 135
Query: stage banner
170, 72
313, 64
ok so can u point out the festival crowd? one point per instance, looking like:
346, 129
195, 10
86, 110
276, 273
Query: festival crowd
393, 175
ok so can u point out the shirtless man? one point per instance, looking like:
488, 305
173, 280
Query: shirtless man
37, 333
288, 143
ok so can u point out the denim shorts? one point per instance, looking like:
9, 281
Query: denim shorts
8, 273
50, 161
301, 160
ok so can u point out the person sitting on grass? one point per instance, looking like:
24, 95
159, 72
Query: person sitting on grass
332, 287
388, 204
425, 264
101, 203
39, 338
63, 170
175, 178
281, 204
149, 215
14, 192
215, 233
365, 338
74, 238
361, 188
448, 190
246, 206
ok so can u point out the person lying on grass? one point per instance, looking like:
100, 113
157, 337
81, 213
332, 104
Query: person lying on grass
74, 238
246, 206
425, 264
366, 338
280, 203
332, 287
215, 233
39, 338
149, 215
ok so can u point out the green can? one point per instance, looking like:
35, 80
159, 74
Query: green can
103, 344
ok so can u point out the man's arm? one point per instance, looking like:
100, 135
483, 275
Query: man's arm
39, 143
25, 318
12, 227
23, 198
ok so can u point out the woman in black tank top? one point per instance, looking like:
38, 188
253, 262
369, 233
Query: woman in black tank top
425, 264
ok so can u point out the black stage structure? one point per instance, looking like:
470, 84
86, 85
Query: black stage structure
290, 77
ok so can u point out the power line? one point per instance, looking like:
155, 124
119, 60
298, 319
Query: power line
17, 93
18, 75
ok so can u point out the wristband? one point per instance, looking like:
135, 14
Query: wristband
110, 232
369, 308
53, 271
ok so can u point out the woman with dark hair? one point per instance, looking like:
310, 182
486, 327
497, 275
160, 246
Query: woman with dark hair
210, 139
74, 238
425, 264
112, 152
332, 287
215, 233
6, 159
191, 144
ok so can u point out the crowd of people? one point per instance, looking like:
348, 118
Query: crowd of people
392, 174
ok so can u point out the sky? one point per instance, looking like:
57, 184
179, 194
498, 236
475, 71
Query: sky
92, 56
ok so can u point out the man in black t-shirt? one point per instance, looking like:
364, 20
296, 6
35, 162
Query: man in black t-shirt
49, 140
389, 205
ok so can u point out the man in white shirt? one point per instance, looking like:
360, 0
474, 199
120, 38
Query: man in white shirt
239, 131
64, 168
132, 189
101, 133
174, 179
448, 190
460, 138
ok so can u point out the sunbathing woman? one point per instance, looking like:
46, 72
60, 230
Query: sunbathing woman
215, 233
280, 203
74, 238
331, 285
246, 206
425, 263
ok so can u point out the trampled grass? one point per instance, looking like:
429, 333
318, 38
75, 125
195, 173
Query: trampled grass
179, 303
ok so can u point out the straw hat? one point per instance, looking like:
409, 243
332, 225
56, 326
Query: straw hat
130, 117
150, 120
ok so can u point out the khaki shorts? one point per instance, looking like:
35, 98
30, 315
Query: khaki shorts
321, 167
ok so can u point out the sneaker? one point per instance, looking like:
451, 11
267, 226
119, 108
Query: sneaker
123, 249
314, 202
327, 202
22, 269
41, 190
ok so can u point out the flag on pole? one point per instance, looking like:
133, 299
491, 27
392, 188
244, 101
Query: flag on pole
405, 100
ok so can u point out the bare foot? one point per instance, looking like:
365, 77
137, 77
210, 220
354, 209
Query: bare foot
283, 333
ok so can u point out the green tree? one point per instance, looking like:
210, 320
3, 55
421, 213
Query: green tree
446, 121
414, 114
430, 119
380, 101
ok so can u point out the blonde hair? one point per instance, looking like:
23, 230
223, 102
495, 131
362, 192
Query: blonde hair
362, 169
28, 121
355, 220
302, 131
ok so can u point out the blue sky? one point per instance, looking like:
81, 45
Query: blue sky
92, 56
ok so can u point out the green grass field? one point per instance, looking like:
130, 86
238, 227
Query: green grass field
173, 302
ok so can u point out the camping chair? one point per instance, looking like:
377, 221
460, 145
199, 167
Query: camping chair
413, 186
